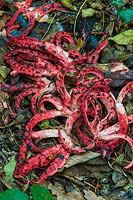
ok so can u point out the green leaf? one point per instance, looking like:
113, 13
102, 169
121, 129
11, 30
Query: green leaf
130, 184
124, 38
96, 5
119, 179
4, 71
20, 118
129, 108
10, 167
118, 2
119, 160
68, 4
41, 193
1, 12
112, 55
9, 1
88, 12
126, 14
45, 124
13, 194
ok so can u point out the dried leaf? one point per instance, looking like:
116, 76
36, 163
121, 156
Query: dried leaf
124, 38
44, 18
110, 27
8, 183
2, 23
80, 44
3, 33
111, 55
4, 96
76, 159
89, 195
58, 190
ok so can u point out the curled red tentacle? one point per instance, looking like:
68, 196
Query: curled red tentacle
87, 104
99, 121
85, 139
86, 75
29, 55
61, 55
31, 14
88, 108
89, 79
19, 68
61, 89
71, 120
50, 88
26, 43
66, 146
110, 144
77, 57
49, 133
93, 56
22, 95
38, 118
56, 154
10, 25
61, 37
127, 89
119, 136
23, 5
122, 117
55, 101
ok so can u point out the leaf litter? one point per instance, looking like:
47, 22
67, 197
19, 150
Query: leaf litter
100, 179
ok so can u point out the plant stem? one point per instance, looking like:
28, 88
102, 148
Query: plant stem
75, 23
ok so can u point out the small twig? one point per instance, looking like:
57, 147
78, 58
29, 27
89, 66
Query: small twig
48, 27
3, 156
74, 179
75, 23
89, 184
85, 182
8, 125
